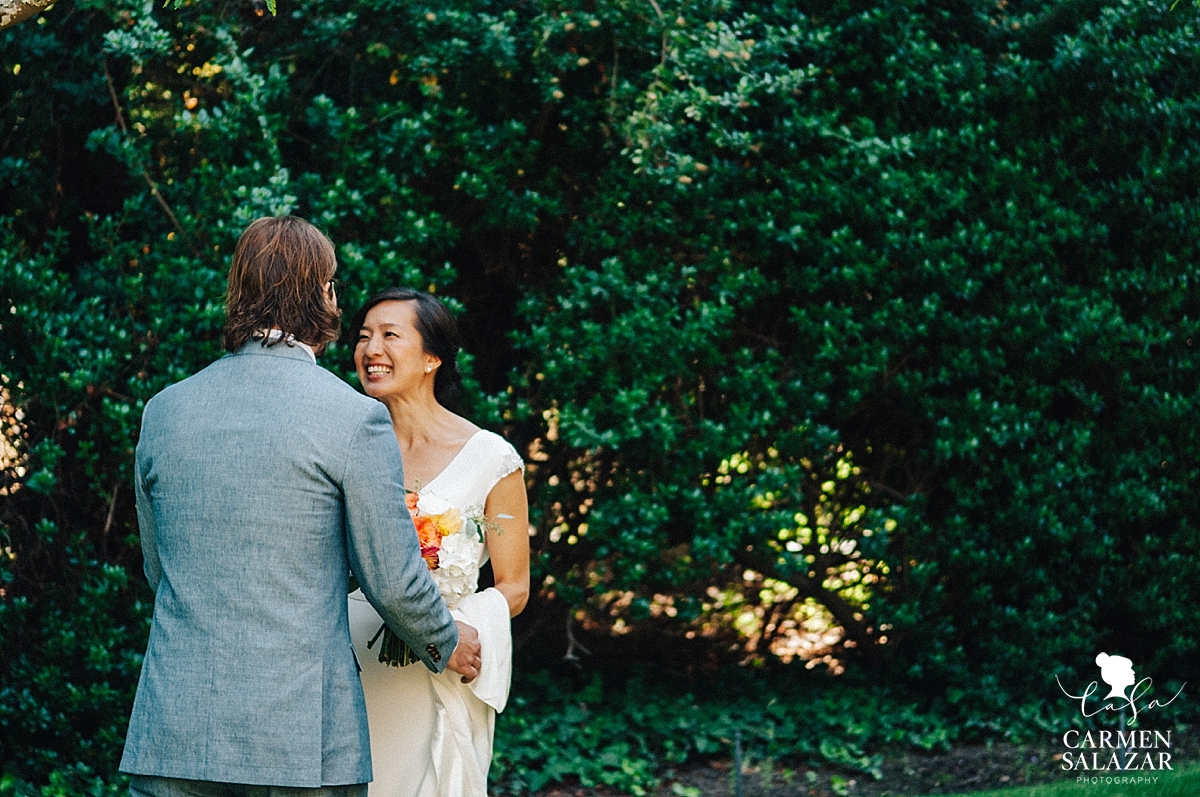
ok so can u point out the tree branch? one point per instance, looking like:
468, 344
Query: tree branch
662, 21
574, 648
112, 509
14, 12
843, 611
162, 202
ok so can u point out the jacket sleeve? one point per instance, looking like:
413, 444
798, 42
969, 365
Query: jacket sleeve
145, 515
382, 544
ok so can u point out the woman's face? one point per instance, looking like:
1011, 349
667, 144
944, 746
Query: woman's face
390, 355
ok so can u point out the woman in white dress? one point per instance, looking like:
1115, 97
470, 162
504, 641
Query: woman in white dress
431, 735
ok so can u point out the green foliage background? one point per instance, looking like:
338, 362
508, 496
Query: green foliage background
879, 314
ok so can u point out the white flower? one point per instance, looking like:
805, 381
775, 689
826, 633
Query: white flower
457, 575
460, 554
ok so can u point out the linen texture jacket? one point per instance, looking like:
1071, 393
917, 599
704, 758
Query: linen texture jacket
261, 482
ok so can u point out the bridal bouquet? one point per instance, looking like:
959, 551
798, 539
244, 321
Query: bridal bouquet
451, 551
432, 528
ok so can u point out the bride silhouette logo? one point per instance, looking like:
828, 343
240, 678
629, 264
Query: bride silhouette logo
1117, 672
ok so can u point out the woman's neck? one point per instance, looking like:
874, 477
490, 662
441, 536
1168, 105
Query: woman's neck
418, 419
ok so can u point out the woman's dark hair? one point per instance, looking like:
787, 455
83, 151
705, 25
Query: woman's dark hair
278, 280
439, 336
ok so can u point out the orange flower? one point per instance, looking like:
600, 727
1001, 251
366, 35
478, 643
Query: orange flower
429, 534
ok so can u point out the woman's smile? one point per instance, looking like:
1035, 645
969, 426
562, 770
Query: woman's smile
376, 372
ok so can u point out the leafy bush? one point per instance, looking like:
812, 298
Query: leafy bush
942, 251
855, 333
630, 735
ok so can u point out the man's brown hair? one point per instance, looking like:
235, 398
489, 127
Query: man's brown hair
278, 280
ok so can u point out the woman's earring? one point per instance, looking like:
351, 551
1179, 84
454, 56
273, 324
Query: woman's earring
428, 368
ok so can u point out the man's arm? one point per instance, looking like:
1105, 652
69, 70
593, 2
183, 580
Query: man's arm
382, 544
146, 528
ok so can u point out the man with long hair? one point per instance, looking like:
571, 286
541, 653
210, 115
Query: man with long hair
262, 482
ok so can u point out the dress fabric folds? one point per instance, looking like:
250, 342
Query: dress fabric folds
431, 734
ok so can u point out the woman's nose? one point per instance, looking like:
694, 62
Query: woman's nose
374, 345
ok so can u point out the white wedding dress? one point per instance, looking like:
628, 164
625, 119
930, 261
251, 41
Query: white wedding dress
431, 735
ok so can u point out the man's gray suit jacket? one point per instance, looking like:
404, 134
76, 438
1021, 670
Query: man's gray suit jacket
262, 481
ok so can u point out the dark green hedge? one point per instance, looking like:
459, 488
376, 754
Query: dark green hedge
810, 315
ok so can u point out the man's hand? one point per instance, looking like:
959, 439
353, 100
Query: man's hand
466, 659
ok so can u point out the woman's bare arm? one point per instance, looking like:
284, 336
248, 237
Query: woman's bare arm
507, 513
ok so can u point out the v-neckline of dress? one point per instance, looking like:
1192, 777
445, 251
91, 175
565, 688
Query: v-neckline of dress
450, 464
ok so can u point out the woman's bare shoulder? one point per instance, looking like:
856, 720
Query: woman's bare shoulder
460, 430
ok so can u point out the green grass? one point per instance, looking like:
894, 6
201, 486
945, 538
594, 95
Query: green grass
1183, 782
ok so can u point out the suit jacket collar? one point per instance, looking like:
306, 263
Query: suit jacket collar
290, 351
